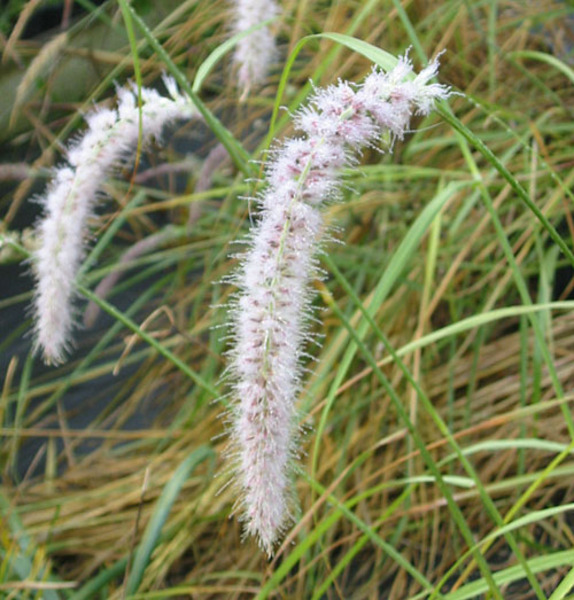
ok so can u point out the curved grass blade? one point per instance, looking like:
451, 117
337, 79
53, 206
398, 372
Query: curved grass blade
540, 564
565, 586
475, 322
546, 58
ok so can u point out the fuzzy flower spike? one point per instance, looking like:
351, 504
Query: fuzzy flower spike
273, 302
255, 53
111, 137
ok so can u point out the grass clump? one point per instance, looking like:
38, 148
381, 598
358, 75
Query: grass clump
436, 460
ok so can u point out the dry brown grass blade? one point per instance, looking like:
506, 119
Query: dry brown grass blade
18, 29
41, 65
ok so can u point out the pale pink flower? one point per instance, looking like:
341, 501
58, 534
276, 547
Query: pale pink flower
255, 53
109, 141
273, 303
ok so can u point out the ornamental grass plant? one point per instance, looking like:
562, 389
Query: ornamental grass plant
429, 410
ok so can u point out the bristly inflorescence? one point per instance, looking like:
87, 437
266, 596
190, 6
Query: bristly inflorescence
254, 53
111, 138
273, 303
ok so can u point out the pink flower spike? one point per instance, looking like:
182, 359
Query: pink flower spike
256, 52
110, 138
271, 311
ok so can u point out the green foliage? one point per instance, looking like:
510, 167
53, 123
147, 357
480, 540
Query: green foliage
438, 452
